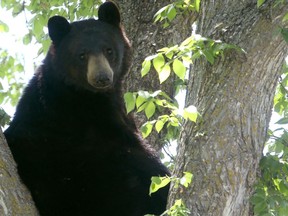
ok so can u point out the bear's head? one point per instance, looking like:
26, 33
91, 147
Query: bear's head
90, 54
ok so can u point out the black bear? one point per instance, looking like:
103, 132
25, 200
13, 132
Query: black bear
76, 149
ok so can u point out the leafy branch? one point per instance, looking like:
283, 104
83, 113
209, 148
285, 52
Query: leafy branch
168, 13
178, 58
150, 102
159, 182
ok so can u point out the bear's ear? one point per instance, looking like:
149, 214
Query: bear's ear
58, 27
108, 12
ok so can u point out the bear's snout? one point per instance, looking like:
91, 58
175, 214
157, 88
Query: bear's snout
103, 80
100, 74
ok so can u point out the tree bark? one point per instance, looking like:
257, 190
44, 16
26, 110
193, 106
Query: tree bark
15, 199
235, 98
146, 38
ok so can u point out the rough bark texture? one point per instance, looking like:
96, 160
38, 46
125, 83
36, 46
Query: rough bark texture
235, 97
14, 197
146, 38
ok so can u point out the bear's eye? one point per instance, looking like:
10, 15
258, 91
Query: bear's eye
82, 56
109, 51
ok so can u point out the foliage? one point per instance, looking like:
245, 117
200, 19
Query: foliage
276, 2
158, 100
271, 194
3, 27
260, 2
280, 99
168, 13
11, 83
40, 11
283, 30
180, 57
160, 182
4, 117
9, 67
178, 209
284, 33
9, 86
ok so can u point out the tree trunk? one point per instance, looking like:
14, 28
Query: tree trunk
146, 38
14, 197
235, 98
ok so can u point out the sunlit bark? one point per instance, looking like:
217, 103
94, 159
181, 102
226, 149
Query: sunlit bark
14, 197
235, 98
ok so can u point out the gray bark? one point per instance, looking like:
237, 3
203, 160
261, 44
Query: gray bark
15, 199
235, 98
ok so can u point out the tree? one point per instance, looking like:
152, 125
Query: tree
15, 198
233, 93
235, 98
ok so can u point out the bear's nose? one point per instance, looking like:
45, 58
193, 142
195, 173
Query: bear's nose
103, 80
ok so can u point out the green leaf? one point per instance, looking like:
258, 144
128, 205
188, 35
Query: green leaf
197, 5
285, 18
158, 16
259, 207
3, 27
173, 121
209, 56
130, 100
283, 188
146, 65
260, 2
158, 62
282, 121
4, 117
258, 197
146, 128
140, 100
171, 13
142, 107
157, 183
169, 55
160, 124
186, 179
19, 67
27, 39
190, 113
283, 210
37, 27
150, 109
179, 69
284, 32
164, 73
187, 41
